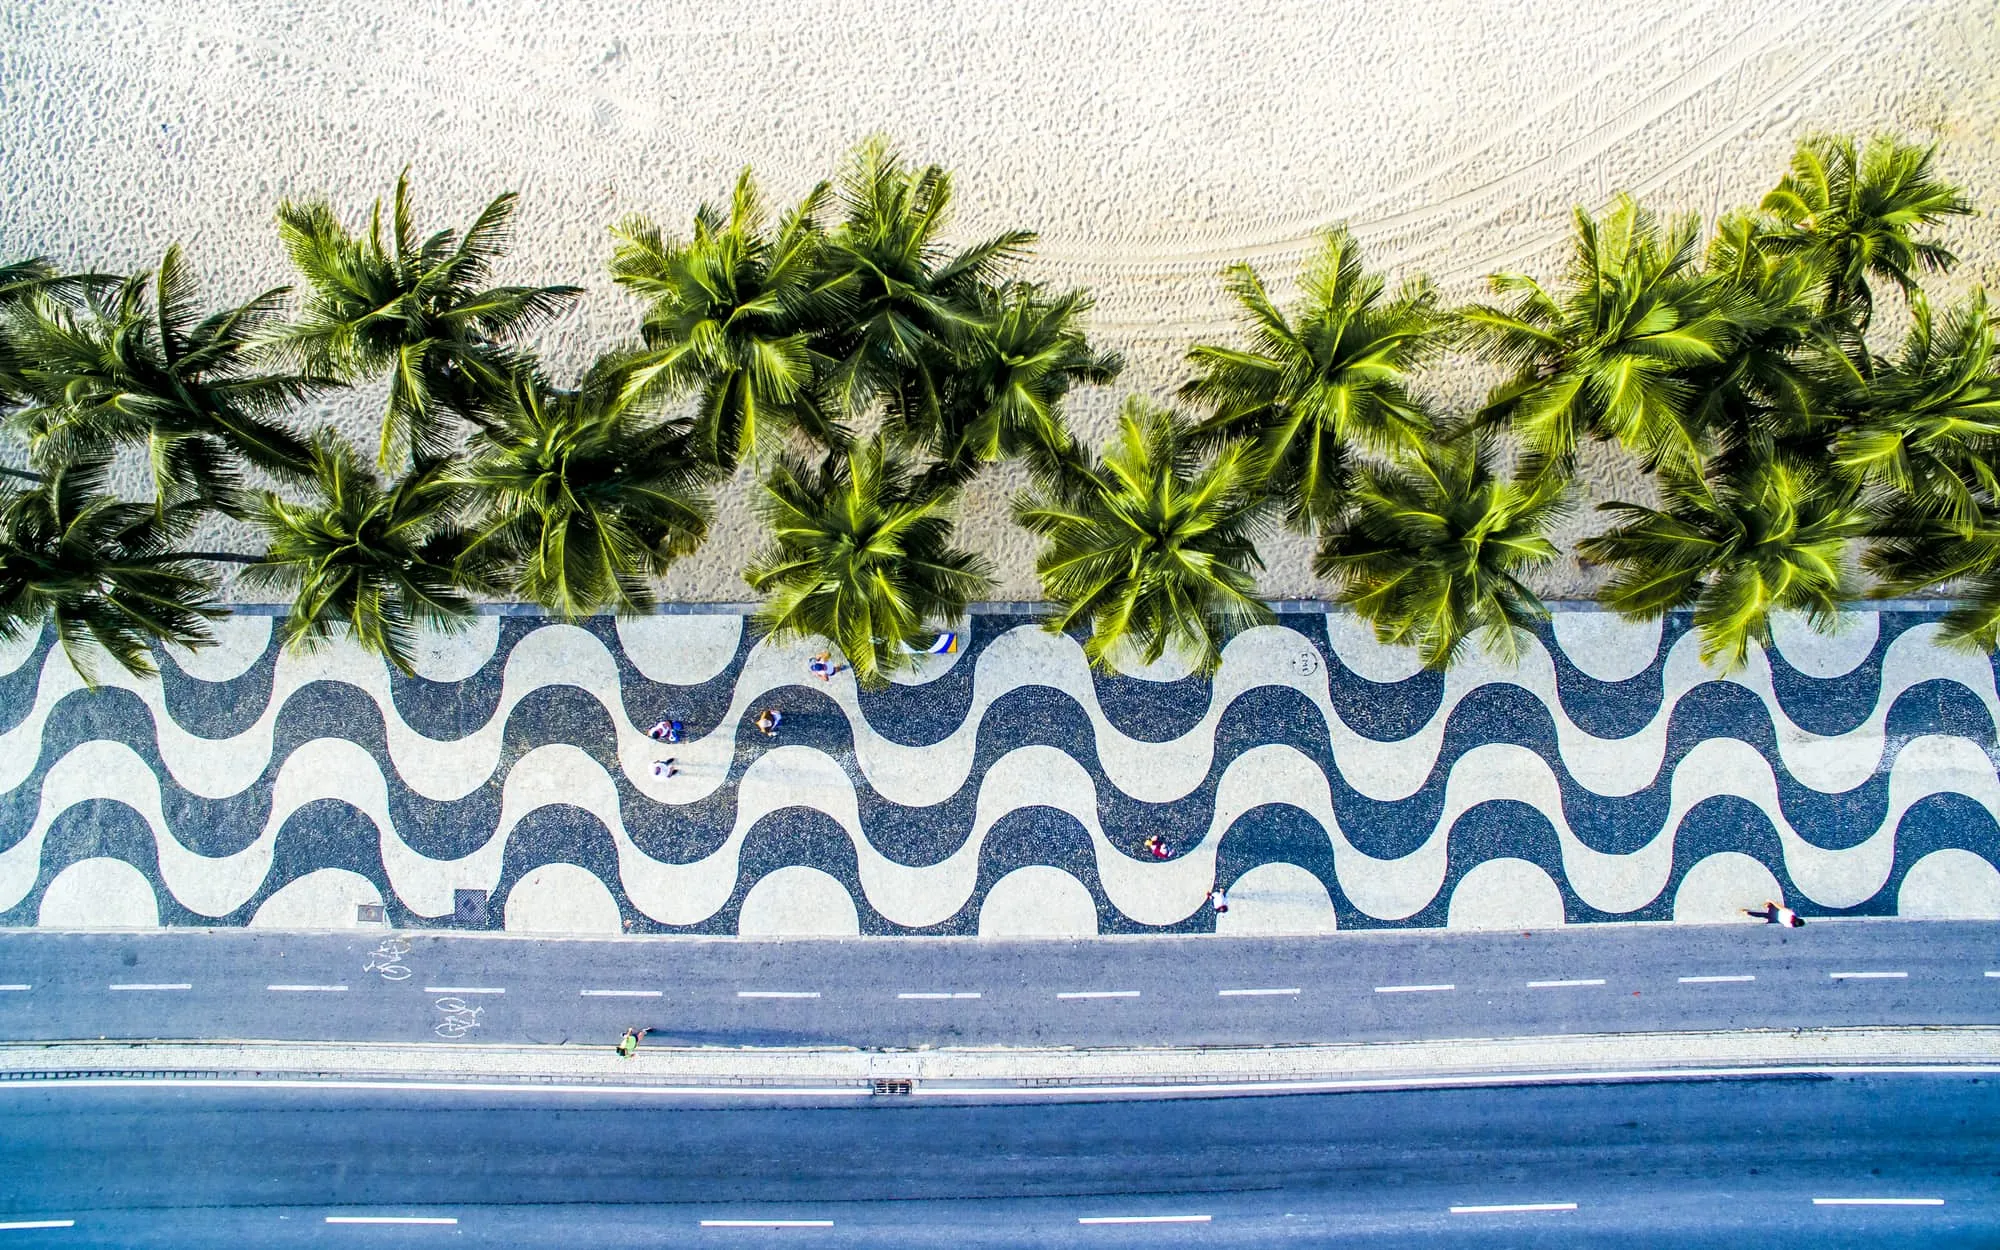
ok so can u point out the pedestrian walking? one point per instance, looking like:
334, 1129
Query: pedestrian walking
665, 768
668, 731
768, 721
628, 1045
823, 666
1776, 913
1157, 847
1218, 900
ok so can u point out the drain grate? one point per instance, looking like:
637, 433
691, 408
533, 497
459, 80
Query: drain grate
894, 1088
469, 906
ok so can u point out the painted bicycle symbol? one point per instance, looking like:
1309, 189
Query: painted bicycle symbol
460, 1017
387, 959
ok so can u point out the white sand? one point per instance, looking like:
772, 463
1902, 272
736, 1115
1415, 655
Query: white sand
1151, 141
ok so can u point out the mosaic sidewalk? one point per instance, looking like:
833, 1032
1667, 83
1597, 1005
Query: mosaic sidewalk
1001, 790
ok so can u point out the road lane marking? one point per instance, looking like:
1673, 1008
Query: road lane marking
1412, 989
1507, 1208
392, 1219
1143, 1219
1558, 985
307, 989
21, 989
938, 996
622, 993
1098, 994
1715, 980
1878, 1202
1868, 976
777, 993
1995, 975
767, 1223
462, 989
137, 985
1255, 993
14, 1226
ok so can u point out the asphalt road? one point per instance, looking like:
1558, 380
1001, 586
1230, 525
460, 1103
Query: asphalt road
913, 992
1668, 1163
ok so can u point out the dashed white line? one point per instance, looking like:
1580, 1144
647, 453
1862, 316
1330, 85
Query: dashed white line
138, 985
777, 993
1256, 993
1559, 985
767, 1223
1878, 1202
938, 995
1868, 976
1413, 989
1716, 980
22, 989
392, 1219
1509, 1208
1143, 1219
462, 989
1098, 994
16, 1226
623, 993
1994, 975
307, 989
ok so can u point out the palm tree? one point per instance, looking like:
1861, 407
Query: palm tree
1437, 546
858, 556
893, 301
108, 572
418, 311
1332, 375
1735, 547
585, 495
1926, 424
1853, 212
139, 368
1016, 360
727, 315
1606, 358
1915, 551
1154, 544
380, 562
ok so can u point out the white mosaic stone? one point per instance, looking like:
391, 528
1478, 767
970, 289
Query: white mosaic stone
797, 901
1829, 654
240, 641
1277, 899
1950, 885
327, 898
1505, 894
1605, 645
455, 655
1722, 888
681, 649
1038, 902
99, 894
561, 898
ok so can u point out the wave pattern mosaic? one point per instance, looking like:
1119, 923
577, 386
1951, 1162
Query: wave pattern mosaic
1003, 789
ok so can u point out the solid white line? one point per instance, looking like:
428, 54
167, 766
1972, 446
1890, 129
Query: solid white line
307, 989
461, 989
1868, 976
1995, 975
767, 1223
133, 985
777, 993
1412, 989
1143, 1219
16, 989
1557, 985
623, 993
391, 1219
19, 1225
930, 997
1505, 1208
1715, 980
1878, 1202
1254, 993
1098, 994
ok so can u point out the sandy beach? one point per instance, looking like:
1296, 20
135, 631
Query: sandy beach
1149, 141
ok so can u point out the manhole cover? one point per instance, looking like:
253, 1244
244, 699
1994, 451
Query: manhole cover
469, 906
368, 913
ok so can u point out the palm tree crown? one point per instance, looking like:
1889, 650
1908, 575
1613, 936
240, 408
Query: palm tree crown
106, 571
1735, 547
140, 368
1333, 374
1153, 544
1605, 358
416, 310
1436, 548
588, 496
1853, 210
727, 316
860, 557
378, 563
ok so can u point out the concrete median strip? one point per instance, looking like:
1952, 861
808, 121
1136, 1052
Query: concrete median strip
971, 1072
